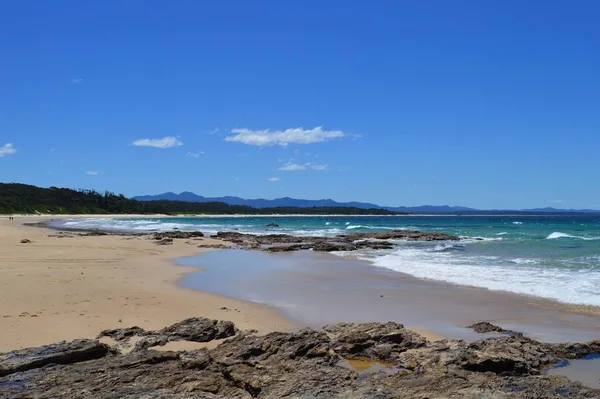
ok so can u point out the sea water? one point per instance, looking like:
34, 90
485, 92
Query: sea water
550, 256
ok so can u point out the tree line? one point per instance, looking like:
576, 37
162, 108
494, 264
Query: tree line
18, 198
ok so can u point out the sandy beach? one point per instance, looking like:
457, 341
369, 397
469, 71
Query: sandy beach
55, 289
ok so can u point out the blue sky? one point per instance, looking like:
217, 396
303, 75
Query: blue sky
490, 104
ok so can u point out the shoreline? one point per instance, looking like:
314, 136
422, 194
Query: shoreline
253, 315
315, 289
56, 289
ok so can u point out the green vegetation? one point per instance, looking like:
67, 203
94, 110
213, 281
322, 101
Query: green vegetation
26, 199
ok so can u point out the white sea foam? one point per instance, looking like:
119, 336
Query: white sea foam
558, 234
517, 222
502, 234
578, 286
353, 227
525, 261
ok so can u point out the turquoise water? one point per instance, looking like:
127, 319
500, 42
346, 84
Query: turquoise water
555, 257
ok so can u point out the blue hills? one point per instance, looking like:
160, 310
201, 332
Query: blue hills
187, 196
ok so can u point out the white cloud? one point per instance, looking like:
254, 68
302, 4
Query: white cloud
274, 179
214, 131
316, 166
7, 149
78, 80
165, 142
92, 173
291, 167
283, 137
194, 154
559, 201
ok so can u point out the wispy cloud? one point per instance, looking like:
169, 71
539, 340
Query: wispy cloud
214, 131
77, 80
291, 167
195, 154
274, 179
7, 149
165, 142
92, 173
559, 201
267, 137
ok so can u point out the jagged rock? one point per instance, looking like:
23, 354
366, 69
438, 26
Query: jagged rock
199, 329
62, 353
487, 327
410, 235
122, 334
352, 242
373, 340
25, 241
178, 235
164, 241
305, 364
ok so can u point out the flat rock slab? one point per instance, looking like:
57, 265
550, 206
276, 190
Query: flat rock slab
62, 353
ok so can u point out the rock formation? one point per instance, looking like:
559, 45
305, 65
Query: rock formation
304, 364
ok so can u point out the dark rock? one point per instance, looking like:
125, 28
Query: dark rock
410, 235
63, 353
25, 241
94, 234
305, 364
122, 334
164, 241
272, 225
352, 242
178, 235
199, 329
487, 327
213, 246
373, 340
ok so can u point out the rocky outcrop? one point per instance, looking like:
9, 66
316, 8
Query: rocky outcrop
351, 242
409, 235
486, 327
62, 353
195, 329
303, 364
186, 235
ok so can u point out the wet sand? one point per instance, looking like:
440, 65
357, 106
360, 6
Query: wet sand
316, 289
55, 289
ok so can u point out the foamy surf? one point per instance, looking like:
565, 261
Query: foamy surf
558, 234
569, 286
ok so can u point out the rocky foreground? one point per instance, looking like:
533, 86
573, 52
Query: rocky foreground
304, 364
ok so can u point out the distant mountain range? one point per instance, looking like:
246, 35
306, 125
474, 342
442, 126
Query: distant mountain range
187, 196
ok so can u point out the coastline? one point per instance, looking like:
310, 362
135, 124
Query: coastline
56, 289
171, 301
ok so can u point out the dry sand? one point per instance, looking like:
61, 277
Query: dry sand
55, 289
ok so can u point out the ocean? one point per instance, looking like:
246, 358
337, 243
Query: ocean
550, 256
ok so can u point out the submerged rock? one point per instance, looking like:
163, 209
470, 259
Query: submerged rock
486, 327
303, 364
